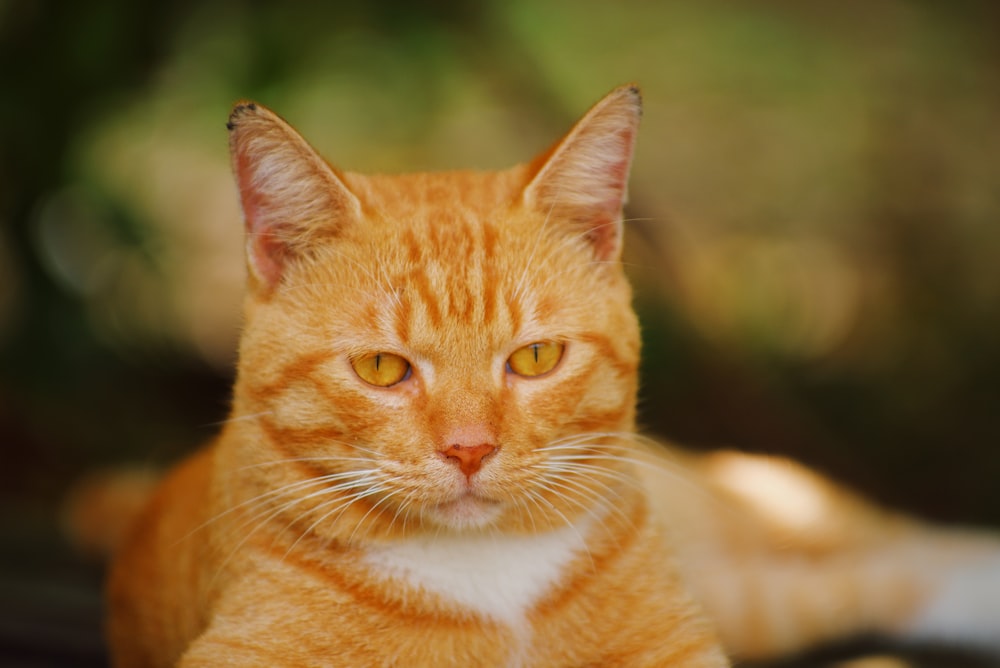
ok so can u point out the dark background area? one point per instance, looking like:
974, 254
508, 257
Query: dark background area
813, 228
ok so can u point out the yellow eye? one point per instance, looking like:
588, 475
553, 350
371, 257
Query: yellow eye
535, 359
381, 369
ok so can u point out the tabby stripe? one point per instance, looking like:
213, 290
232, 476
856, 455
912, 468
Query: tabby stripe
624, 367
404, 316
386, 600
303, 367
413, 246
514, 309
287, 442
420, 283
489, 292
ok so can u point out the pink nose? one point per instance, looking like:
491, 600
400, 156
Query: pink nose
468, 457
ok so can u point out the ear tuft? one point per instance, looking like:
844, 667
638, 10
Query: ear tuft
583, 178
290, 196
239, 109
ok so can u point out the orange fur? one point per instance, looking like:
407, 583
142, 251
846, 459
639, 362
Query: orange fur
333, 521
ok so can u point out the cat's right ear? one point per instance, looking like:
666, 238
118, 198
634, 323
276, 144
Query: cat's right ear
290, 196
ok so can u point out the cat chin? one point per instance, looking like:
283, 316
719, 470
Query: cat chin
464, 513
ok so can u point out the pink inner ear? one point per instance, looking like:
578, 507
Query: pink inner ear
265, 250
603, 237
605, 228
267, 256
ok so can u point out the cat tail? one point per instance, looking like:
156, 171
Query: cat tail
101, 508
785, 560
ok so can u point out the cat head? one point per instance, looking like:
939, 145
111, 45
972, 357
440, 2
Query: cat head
451, 350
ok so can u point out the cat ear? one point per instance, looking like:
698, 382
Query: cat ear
584, 177
290, 196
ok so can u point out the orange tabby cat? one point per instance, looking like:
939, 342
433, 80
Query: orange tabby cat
432, 459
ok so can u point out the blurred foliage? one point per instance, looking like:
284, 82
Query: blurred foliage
813, 228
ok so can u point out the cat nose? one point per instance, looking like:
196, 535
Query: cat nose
468, 457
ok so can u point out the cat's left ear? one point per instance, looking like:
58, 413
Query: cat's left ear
584, 177
291, 197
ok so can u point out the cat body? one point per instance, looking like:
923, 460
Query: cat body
432, 458
532, 600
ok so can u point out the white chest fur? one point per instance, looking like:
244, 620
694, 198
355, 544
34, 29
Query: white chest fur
497, 576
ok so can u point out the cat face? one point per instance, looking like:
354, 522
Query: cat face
451, 351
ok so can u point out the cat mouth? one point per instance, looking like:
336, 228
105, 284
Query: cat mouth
466, 511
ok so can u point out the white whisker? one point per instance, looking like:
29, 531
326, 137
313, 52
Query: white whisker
263, 497
344, 504
568, 523
571, 483
294, 460
263, 517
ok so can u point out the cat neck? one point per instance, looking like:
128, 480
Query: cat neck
497, 576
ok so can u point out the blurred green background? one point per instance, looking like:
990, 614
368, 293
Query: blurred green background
814, 225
